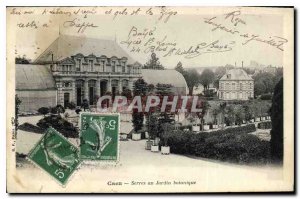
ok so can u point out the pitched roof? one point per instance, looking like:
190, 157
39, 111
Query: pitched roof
169, 76
34, 77
236, 74
66, 46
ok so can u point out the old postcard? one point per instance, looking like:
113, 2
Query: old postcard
150, 99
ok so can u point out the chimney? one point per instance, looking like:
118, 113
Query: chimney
234, 64
242, 64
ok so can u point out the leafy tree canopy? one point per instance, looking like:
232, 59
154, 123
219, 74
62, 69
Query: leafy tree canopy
153, 63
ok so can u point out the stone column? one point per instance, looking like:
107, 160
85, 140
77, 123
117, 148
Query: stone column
120, 86
130, 84
86, 90
109, 85
73, 97
60, 95
98, 88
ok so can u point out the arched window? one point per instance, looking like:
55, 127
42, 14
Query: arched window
125, 84
113, 66
91, 65
123, 67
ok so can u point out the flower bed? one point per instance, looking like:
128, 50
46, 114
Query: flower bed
63, 126
31, 128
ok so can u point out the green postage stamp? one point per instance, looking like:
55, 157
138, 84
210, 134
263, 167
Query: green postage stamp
56, 155
99, 136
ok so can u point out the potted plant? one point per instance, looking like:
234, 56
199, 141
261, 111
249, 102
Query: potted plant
215, 124
205, 127
154, 146
152, 123
166, 129
123, 136
196, 128
136, 135
149, 143
257, 119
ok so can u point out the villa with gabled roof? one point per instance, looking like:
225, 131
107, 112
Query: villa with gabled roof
236, 84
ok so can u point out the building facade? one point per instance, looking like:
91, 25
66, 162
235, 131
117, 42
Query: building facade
89, 77
236, 84
74, 69
87, 68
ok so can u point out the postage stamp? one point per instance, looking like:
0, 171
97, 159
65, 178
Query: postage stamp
99, 136
55, 155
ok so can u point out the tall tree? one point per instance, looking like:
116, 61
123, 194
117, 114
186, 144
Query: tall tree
259, 87
277, 123
278, 75
179, 68
220, 72
153, 63
152, 124
263, 83
164, 89
192, 79
140, 87
207, 77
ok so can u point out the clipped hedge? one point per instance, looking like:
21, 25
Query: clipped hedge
186, 127
264, 125
236, 130
231, 144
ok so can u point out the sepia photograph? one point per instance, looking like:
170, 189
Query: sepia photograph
150, 99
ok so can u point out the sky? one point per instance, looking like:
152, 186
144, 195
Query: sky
188, 30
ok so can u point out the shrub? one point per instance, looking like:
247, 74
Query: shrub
20, 155
57, 109
85, 104
63, 126
277, 123
231, 144
266, 97
78, 111
30, 128
43, 110
71, 105
178, 141
243, 148
235, 130
186, 127
137, 120
264, 125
